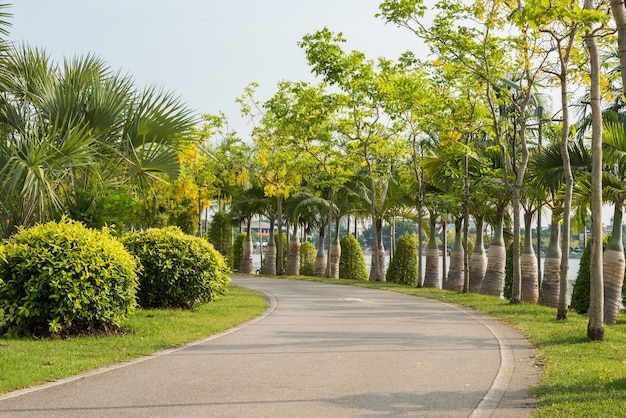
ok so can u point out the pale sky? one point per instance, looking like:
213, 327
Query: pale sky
206, 51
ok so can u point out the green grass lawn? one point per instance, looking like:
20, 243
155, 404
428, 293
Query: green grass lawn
25, 362
579, 378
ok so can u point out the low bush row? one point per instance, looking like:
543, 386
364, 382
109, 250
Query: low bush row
65, 279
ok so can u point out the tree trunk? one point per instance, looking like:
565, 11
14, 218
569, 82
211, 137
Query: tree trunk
199, 215
420, 244
269, 267
516, 285
431, 277
457, 256
613, 269
478, 263
549, 292
567, 203
378, 254
496, 261
375, 271
335, 257
444, 251
279, 245
320, 259
246, 257
330, 225
595, 326
466, 216
293, 253
528, 262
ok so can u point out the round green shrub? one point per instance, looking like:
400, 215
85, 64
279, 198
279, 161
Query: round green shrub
65, 279
352, 262
308, 253
179, 270
403, 266
238, 250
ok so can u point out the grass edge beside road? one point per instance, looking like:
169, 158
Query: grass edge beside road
28, 362
578, 378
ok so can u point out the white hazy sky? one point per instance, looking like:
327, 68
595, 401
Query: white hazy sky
206, 51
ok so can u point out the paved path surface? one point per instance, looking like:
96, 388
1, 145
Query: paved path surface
321, 350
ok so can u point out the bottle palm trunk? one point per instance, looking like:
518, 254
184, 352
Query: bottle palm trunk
478, 262
457, 268
550, 285
431, 275
246, 257
613, 267
269, 267
320, 259
496, 261
293, 256
335, 257
528, 264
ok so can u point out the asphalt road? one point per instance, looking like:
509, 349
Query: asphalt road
321, 350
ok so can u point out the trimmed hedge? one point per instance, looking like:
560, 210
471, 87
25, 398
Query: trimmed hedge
65, 279
238, 250
352, 262
308, 253
179, 270
403, 266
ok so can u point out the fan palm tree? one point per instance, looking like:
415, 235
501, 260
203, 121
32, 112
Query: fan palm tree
75, 129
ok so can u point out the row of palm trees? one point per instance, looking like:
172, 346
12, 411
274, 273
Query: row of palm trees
490, 204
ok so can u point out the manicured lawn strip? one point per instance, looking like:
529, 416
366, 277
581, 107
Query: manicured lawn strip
25, 362
578, 379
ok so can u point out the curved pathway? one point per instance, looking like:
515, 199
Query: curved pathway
321, 350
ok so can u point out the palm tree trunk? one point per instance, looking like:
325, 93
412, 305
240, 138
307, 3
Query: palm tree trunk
528, 264
378, 256
496, 261
375, 271
269, 267
320, 259
279, 246
335, 251
457, 256
246, 257
478, 263
335, 256
293, 254
613, 268
420, 243
330, 225
431, 276
550, 285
